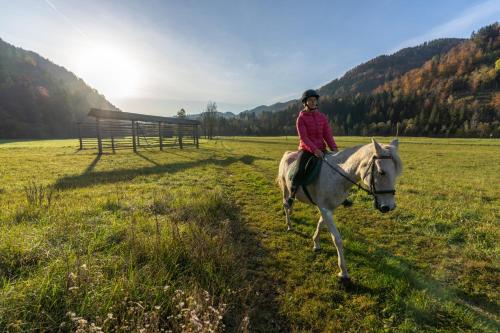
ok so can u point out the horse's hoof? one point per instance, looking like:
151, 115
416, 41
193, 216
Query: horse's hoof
347, 203
289, 229
316, 249
345, 281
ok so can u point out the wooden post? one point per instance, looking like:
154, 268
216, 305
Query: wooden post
80, 135
197, 137
133, 137
137, 134
99, 139
179, 135
194, 135
160, 136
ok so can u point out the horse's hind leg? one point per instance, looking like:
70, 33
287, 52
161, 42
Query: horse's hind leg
317, 246
288, 222
288, 211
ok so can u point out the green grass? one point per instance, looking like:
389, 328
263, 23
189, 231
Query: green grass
161, 239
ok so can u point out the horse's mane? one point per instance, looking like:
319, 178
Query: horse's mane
345, 154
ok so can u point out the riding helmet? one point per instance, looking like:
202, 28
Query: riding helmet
309, 93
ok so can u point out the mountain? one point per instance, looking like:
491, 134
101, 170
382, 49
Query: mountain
225, 115
371, 74
368, 76
458, 92
455, 92
39, 99
272, 108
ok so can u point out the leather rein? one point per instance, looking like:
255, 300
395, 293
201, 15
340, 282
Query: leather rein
372, 190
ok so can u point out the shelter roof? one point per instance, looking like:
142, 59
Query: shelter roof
119, 115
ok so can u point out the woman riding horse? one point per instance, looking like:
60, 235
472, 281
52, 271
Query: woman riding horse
314, 131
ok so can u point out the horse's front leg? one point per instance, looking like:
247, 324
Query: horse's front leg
328, 219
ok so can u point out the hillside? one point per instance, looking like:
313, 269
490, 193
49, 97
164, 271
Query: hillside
456, 92
368, 76
371, 74
40, 99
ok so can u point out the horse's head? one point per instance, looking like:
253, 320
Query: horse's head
380, 174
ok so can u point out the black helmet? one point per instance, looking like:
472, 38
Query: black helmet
309, 93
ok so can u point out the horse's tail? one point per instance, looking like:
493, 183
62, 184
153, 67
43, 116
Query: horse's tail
280, 179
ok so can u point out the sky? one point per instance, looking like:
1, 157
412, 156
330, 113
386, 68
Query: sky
155, 57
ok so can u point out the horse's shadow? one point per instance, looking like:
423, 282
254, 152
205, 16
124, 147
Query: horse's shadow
383, 262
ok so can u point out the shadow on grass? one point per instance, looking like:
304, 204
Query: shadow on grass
92, 165
253, 140
384, 262
147, 159
89, 178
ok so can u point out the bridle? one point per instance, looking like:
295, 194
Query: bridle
372, 189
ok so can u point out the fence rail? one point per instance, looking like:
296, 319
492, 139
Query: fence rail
112, 135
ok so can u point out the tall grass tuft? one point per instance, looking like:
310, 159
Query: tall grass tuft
38, 195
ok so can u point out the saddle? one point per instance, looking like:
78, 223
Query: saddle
313, 168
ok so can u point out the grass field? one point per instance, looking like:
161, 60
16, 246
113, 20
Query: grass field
195, 240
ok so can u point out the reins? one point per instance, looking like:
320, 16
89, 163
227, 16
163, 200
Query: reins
346, 177
372, 190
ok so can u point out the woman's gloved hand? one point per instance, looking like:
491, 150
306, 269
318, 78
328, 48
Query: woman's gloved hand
318, 153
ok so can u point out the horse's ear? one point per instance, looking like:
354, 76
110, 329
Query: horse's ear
377, 149
395, 143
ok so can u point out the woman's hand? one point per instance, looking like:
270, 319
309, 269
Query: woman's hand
318, 153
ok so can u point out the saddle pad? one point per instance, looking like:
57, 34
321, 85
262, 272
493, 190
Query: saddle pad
312, 171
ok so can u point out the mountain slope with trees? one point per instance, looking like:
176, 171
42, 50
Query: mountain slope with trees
371, 74
39, 99
454, 93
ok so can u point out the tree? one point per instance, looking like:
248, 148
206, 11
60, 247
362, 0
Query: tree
209, 119
181, 113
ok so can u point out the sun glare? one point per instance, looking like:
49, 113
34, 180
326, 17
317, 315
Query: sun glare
110, 69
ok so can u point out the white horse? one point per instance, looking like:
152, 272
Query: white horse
376, 165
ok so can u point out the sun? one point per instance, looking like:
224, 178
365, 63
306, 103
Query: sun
111, 69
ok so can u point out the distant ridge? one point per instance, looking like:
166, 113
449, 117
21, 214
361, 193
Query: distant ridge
39, 99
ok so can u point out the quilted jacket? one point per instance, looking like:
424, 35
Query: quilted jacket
314, 130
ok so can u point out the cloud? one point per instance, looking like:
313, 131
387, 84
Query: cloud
459, 26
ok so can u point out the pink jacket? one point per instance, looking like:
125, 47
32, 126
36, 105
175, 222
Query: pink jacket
314, 130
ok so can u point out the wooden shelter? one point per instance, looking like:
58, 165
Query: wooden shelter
114, 130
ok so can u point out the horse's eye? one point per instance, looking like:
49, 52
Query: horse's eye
381, 172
